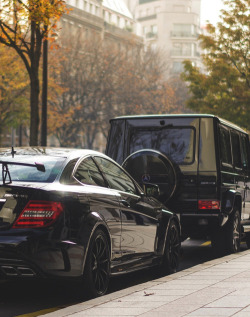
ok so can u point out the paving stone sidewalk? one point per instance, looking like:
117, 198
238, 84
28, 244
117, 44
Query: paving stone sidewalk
220, 287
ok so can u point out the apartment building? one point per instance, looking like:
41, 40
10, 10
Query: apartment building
171, 25
111, 19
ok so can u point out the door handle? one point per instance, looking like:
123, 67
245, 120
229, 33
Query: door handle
125, 203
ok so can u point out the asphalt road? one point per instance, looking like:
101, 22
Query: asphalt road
34, 298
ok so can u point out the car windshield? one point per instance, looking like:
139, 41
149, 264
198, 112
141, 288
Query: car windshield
22, 173
176, 143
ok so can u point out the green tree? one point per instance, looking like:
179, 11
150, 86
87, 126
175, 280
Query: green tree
24, 24
224, 88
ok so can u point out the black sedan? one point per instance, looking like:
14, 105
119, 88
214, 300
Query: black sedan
67, 213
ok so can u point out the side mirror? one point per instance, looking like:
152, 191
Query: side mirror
151, 190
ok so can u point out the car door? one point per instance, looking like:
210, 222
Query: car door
238, 166
102, 200
246, 166
139, 217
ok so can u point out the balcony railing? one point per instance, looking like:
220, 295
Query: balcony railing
184, 34
151, 35
178, 52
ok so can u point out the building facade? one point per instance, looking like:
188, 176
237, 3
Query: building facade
173, 26
111, 19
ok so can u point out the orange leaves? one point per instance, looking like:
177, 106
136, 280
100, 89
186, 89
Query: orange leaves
46, 12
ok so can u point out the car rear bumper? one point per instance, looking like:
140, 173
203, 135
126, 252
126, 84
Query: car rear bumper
26, 257
194, 224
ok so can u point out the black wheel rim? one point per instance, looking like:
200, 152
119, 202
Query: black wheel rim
100, 265
174, 248
236, 233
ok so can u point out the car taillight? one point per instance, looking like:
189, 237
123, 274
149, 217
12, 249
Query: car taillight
39, 214
209, 204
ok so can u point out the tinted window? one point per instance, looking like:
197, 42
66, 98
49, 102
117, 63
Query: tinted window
88, 173
66, 177
236, 149
115, 176
115, 148
53, 166
225, 146
245, 151
176, 143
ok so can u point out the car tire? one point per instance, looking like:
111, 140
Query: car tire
171, 256
226, 240
150, 166
233, 233
97, 266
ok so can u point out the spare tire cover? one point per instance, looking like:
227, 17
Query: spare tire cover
150, 166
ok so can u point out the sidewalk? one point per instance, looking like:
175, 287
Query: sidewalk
220, 287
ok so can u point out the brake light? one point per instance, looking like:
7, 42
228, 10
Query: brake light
39, 214
209, 204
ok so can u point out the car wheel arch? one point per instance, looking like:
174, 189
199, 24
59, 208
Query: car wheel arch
165, 226
231, 200
91, 224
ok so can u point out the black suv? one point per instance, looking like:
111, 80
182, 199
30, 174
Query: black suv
201, 164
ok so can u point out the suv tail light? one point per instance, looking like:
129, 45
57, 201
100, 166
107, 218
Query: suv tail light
39, 214
209, 204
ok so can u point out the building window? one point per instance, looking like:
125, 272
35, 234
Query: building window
151, 31
145, 30
154, 29
177, 67
184, 30
85, 5
182, 49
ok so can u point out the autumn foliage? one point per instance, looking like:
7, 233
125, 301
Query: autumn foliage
24, 24
101, 80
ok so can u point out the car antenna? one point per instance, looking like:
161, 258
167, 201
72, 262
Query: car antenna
13, 152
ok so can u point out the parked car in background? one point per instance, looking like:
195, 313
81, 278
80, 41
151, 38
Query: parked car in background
77, 214
201, 164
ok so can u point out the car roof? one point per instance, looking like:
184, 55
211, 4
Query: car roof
183, 115
175, 116
67, 153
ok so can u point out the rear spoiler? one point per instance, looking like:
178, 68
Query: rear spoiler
6, 173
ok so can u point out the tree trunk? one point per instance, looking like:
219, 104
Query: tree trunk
34, 108
35, 53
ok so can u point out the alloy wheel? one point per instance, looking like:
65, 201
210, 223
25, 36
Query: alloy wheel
100, 264
174, 247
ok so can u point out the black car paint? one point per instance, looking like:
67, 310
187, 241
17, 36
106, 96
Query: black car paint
60, 249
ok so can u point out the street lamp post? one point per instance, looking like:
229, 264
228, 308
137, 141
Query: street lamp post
44, 92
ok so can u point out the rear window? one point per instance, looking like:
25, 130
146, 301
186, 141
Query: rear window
19, 173
178, 143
